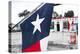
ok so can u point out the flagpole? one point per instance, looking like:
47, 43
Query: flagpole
27, 16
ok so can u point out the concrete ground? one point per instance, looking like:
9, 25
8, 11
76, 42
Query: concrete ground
60, 41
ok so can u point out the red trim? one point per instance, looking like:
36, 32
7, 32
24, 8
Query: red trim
65, 17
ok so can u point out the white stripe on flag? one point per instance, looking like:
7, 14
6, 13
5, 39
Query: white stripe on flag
44, 43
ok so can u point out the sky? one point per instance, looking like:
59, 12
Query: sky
20, 6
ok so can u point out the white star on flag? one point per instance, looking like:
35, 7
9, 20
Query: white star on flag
37, 24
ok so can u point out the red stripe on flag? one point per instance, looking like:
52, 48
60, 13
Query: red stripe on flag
33, 48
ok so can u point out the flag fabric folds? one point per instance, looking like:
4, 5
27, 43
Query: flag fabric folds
37, 26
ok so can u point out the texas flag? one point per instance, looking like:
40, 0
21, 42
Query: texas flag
36, 27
